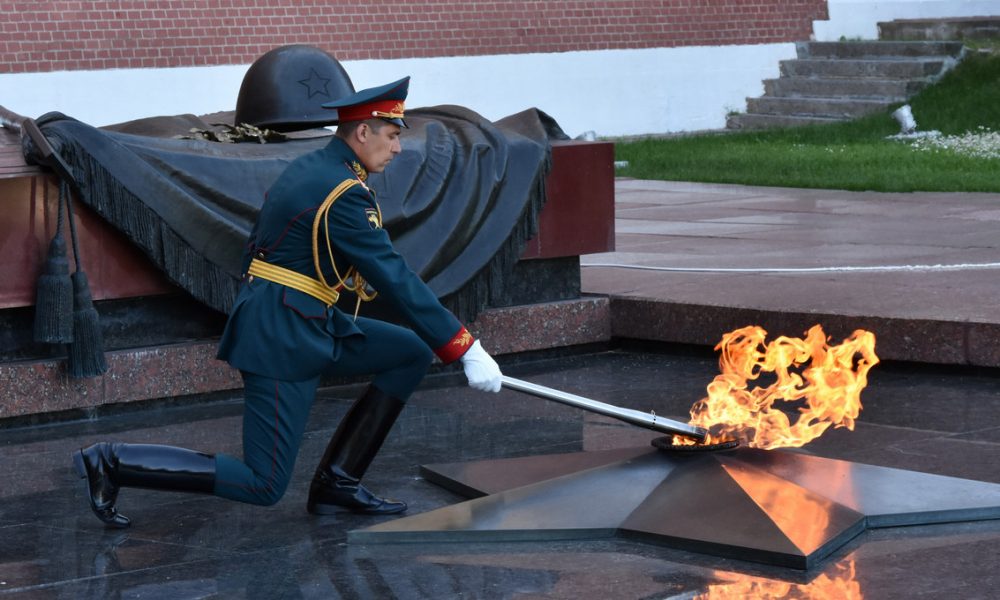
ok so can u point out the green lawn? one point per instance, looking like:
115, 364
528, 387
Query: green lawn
854, 155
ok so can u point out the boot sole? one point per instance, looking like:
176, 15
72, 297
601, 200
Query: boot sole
325, 510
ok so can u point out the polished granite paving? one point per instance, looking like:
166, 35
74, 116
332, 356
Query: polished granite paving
693, 260
184, 546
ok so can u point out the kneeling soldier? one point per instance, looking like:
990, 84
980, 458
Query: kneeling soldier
319, 233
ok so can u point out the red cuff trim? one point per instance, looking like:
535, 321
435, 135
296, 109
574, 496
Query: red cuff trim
455, 347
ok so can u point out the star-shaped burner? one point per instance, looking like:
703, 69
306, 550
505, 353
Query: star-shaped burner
769, 506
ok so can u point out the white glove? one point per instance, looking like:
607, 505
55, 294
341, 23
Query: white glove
481, 370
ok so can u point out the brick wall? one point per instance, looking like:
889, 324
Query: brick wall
57, 35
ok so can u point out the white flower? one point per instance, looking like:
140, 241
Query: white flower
983, 143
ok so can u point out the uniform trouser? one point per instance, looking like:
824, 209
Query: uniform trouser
275, 411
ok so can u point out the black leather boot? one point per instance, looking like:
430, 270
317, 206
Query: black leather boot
337, 482
110, 467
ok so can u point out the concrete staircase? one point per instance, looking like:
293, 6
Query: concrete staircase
839, 81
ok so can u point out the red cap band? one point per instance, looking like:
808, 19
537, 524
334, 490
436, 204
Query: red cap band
390, 109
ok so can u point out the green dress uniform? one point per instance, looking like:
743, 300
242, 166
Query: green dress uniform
283, 338
318, 233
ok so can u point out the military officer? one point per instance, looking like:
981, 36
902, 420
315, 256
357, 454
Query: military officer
319, 233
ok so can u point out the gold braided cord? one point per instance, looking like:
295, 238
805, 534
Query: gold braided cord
298, 281
321, 213
357, 284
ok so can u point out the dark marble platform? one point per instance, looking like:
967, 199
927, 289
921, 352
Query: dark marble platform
943, 420
929, 419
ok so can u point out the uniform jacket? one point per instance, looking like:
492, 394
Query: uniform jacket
281, 332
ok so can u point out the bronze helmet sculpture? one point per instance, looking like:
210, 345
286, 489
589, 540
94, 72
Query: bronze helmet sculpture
285, 89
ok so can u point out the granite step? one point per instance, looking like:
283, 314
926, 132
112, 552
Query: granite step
895, 90
920, 68
879, 49
751, 121
838, 108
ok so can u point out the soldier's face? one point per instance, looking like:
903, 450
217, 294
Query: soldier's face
379, 146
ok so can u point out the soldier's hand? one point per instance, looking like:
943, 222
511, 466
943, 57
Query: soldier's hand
481, 370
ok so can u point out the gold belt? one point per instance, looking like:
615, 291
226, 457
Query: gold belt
298, 281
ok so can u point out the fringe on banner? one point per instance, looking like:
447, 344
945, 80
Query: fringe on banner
54, 289
486, 286
190, 270
217, 286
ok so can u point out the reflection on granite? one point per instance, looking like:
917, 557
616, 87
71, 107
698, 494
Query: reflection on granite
185, 546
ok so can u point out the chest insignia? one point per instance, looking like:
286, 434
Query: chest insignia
374, 219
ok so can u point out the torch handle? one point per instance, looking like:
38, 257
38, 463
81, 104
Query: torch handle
634, 417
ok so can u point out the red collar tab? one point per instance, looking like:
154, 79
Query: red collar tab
359, 171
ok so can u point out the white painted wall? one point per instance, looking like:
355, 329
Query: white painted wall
613, 92
853, 19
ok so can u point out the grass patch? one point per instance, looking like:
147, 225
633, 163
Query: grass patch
853, 155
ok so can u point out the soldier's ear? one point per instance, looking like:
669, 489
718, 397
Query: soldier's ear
361, 132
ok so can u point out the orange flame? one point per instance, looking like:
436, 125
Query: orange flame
829, 387
838, 583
